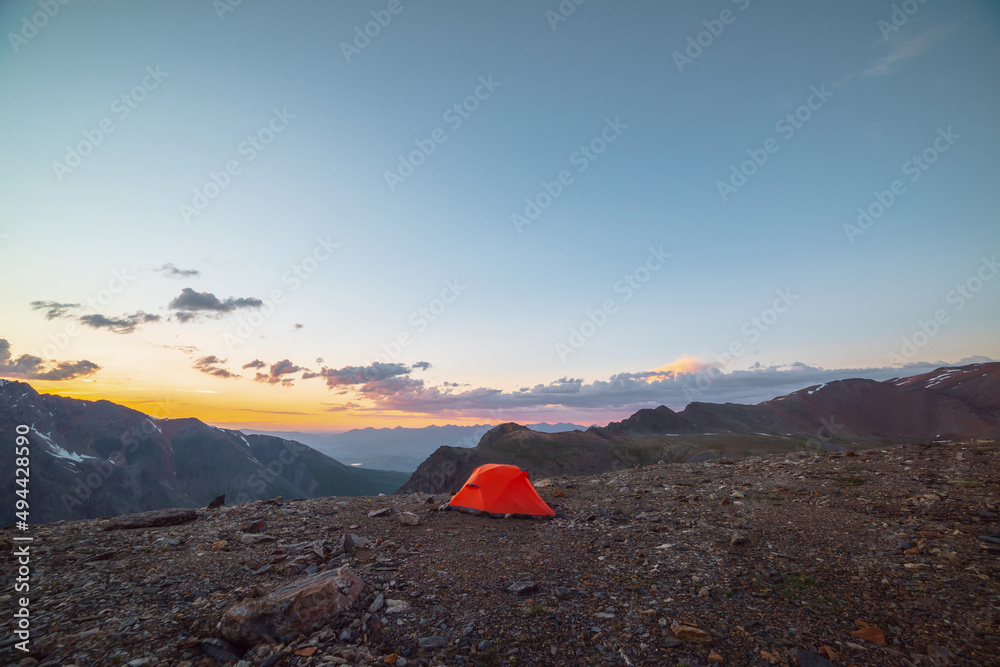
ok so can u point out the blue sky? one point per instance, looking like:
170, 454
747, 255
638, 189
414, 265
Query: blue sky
313, 218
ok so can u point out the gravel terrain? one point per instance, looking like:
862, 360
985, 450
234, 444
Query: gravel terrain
872, 557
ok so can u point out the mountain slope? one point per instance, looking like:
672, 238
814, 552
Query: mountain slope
883, 412
946, 404
975, 384
97, 458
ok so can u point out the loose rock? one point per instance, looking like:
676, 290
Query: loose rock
523, 587
409, 519
301, 607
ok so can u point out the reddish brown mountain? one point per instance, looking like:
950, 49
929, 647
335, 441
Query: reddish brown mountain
977, 384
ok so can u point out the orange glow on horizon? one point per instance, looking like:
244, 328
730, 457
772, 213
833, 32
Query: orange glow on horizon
250, 407
683, 364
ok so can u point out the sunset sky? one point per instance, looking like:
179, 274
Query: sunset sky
317, 215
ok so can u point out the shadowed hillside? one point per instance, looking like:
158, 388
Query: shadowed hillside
97, 458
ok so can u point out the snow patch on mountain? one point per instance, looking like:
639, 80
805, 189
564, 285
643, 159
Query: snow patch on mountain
56, 450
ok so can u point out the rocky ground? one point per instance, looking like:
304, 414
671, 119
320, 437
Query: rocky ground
867, 558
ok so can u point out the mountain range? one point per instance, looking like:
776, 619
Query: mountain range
398, 448
97, 458
949, 403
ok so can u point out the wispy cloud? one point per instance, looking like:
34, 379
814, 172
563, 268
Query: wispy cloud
171, 271
54, 309
186, 349
212, 365
343, 407
904, 50
271, 412
125, 324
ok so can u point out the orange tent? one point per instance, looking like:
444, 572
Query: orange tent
497, 488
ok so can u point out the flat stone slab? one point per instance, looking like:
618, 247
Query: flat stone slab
152, 519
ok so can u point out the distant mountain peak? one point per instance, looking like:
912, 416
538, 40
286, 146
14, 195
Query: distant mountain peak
502, 431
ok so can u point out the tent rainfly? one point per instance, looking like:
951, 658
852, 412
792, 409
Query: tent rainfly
497, 488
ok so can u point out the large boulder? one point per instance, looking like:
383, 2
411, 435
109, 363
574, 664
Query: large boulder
304, 607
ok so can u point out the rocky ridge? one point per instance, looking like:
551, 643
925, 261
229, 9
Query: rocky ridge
818, 558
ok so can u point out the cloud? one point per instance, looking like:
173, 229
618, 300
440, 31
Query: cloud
624, 391
186, 349
391, 387
211, 364
284, 367
354, 375
125, 324
270, 379
28, 367
171, 271
277, 370
189, 304
903, 51
421, 365
350, 405
256, 363
54, 309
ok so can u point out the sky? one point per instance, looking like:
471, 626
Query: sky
321, 216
